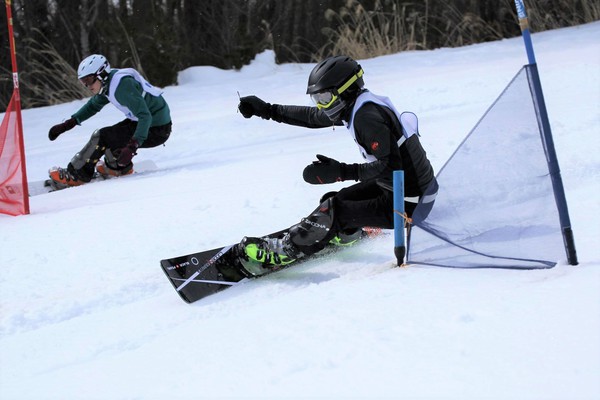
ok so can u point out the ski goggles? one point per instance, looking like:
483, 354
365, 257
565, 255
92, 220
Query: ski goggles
324, 100
89, 80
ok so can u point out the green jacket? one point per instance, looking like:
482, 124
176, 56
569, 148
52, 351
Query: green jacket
136, 104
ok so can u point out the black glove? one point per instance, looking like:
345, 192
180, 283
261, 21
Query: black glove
252, 105
56, 130
328, 170
125, 154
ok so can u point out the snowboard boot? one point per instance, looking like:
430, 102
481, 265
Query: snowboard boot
62, 178
107, 171
261, 255
349, 237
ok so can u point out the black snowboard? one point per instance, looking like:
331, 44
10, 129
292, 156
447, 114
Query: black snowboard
195, 276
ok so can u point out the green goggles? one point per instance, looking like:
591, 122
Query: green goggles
324, 100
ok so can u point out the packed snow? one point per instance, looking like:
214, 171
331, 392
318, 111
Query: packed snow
87, 313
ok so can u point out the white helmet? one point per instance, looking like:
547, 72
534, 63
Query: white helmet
96, 65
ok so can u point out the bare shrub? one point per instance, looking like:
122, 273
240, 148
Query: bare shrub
48, 78
365, 33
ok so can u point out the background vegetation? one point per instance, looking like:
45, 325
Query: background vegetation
162, 37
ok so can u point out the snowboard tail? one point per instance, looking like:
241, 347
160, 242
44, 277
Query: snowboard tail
195, 276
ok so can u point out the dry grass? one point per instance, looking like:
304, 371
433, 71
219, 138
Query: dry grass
364, 34
394, 25
551, 14
49, 79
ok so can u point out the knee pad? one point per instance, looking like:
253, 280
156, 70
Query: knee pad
314, 232
91, 152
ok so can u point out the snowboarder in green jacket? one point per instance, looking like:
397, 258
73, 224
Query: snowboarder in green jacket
147, 123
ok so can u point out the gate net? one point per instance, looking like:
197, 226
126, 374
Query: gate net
495, 205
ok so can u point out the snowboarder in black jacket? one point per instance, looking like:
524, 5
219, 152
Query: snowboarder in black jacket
387, 139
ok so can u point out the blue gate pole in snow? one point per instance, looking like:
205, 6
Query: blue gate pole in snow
399, 217
543, 121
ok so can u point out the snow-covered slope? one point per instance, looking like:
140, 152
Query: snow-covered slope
86, 312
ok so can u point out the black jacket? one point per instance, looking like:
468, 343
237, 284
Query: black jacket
377, 130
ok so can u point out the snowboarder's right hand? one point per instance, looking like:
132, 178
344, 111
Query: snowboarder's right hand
56, 130
125, 154
252, 105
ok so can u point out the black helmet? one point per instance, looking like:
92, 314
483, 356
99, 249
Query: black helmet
332, 73
333, 83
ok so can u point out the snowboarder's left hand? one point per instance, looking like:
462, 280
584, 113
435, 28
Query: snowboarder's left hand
328, 170
126, 153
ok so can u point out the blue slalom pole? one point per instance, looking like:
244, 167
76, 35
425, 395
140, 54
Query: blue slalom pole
399, 243
544, 123
524, 24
